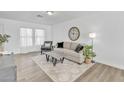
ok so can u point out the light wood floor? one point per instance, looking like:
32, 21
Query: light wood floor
28, 71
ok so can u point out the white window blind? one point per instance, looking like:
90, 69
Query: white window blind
39, 36
26, 37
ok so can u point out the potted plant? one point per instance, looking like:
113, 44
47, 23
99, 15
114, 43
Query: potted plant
3, 39
88, 53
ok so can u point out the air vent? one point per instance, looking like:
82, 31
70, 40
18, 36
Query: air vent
39, 16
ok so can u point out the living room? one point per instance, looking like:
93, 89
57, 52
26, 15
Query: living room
28, 30
54, 46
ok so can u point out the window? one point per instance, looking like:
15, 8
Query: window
26, 37
39, 36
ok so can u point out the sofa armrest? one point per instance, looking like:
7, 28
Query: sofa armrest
81, 56
42, 46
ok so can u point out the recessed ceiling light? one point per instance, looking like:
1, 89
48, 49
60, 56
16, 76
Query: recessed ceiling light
50, 12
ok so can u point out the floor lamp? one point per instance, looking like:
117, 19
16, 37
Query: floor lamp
92, 36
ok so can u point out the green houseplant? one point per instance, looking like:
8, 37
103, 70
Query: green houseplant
88, 53
3, 39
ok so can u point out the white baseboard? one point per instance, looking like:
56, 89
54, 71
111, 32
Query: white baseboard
113, 65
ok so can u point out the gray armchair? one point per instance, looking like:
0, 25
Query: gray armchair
47, 46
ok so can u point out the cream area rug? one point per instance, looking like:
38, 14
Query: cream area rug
63, 72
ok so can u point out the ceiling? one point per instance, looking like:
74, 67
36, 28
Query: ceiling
31, 16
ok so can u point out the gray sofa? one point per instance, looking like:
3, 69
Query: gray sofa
68, 52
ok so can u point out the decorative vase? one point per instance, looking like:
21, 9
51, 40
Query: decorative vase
88, 60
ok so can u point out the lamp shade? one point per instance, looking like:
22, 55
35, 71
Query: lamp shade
92, 35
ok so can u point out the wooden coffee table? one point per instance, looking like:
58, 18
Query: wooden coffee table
54, 57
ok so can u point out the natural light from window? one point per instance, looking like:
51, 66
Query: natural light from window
26, 37
39, 36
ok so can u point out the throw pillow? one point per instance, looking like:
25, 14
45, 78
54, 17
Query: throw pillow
60, 45
47, 44
79, 48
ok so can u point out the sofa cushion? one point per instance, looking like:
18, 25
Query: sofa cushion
67, 52
73, 46
59, 50
60, 45
70, 54
67, 45
79, 48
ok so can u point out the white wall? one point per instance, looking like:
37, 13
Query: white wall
109, 28
12, 27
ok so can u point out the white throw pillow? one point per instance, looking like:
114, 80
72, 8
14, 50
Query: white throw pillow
47, 44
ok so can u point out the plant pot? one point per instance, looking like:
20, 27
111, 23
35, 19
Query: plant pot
88, 60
